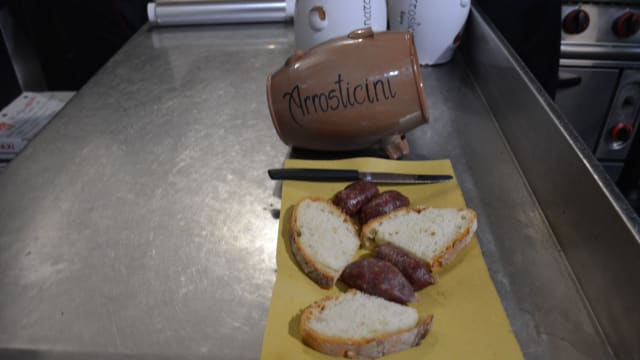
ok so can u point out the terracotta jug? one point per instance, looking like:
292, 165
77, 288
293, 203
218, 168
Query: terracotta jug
349, 93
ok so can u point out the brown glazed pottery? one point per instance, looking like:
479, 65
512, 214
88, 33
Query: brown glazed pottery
350, 93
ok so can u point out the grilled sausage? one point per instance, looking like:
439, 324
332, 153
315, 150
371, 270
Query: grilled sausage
354, 196
380, 278
413, 269
382, 204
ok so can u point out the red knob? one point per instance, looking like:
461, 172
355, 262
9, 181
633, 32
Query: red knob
627, 24
621, 133
575, 22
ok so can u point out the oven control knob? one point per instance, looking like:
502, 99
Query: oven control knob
621, 133
627, 24
575, 22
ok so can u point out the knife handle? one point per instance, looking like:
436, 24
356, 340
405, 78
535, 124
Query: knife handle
313, 174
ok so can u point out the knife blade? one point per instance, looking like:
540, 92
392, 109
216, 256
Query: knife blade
353, 175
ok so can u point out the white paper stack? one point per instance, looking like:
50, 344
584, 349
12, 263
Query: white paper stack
21, 120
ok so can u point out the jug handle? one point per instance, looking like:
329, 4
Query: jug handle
361, 33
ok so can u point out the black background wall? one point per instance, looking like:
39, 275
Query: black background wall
74, 38
9, 88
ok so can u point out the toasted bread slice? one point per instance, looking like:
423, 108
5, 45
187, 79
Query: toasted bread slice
323, 240
357, 325
433, 234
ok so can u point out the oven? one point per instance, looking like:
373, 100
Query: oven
599, 77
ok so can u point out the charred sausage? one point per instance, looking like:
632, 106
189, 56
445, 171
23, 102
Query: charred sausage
354, 196
412, 267
382, 204
380, 278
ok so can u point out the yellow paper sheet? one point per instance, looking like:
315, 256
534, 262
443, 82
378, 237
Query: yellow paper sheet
469, 321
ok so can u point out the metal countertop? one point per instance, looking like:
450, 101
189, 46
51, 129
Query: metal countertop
141, 222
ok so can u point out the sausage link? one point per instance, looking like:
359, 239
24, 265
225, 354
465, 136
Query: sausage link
412, 267
380, 278
354, 196
382, 204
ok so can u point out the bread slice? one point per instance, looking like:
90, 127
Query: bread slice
357, 325
323, 240
435, 235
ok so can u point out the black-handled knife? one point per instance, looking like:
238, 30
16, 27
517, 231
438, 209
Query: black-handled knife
353, 175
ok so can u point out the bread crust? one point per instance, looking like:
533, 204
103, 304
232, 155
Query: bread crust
461, 239
368, 348
325, 278
459, 242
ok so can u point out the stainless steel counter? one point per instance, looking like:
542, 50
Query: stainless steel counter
141, 222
